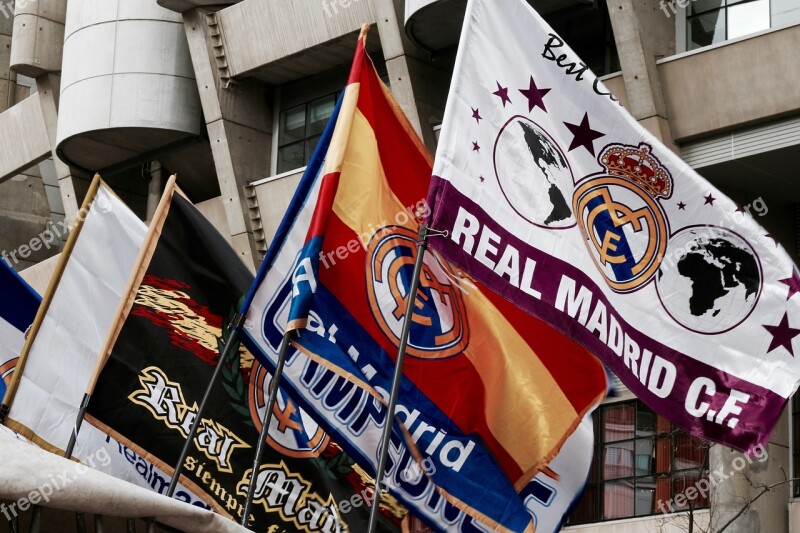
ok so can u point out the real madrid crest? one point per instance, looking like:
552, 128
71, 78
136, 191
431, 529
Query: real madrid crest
618, 212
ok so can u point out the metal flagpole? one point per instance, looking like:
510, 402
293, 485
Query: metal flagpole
233, 340
422, 245
262, 439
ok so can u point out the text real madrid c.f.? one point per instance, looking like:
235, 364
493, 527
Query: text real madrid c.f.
515, 267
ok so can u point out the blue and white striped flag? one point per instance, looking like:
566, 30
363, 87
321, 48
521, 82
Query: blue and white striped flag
18, 306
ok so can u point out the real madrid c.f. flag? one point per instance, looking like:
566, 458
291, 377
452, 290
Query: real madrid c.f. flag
489, 397
557, 199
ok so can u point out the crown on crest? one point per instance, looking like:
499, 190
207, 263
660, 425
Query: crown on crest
638, 165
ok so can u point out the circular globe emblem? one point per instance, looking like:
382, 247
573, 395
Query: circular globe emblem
534, 174
710, 279
439, 323
292, 432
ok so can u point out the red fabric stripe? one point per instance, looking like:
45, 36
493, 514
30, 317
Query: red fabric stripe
324, 205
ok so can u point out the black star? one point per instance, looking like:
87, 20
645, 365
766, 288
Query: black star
793, 283
535, 96
584, 135
476, 115
476, 147
482, 179
502, 93
681, 206
782, 335
709, 199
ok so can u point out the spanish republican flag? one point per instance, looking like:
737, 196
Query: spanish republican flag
489, 395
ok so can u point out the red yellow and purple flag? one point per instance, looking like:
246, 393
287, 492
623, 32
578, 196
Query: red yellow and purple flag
489, 394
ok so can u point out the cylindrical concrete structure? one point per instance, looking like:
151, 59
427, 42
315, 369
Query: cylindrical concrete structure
8, 85
127, 83
38, 37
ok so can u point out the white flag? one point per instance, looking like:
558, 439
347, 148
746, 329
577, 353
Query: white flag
555, 197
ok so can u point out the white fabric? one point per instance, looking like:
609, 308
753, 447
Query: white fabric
64, 354
33, 475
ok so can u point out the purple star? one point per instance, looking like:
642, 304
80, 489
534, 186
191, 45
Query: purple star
793, 283
782, 335
476, 115
740, 209
709, 199
681, 206
502, 93
476, 147
535, 96
482, 179
584, 135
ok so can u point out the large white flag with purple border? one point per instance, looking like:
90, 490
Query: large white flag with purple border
555, 197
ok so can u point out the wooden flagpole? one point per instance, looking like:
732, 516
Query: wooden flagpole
125, 304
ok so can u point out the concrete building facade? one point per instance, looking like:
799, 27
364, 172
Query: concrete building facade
232, 95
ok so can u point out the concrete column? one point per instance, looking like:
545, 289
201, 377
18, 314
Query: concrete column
643, 34
419, 87
745, 479
47, 85
239, 122
8, 79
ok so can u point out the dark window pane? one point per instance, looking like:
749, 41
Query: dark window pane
704, 30
644, 457
319, 111
690, 452
618, 460
290, 157
645, 423
293, 125
645, 496
586, 510
311, 144
618, 500
618, 422
701, 6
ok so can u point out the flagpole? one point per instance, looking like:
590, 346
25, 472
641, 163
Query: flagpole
233, 340
422, 245
273, 398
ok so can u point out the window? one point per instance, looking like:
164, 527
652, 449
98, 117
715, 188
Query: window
588, 32
713, 21
300, 129
641, 462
